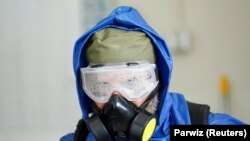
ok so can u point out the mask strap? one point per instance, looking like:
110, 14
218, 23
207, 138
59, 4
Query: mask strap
153, 93
150, 97
98, 129
81, 131
95, 109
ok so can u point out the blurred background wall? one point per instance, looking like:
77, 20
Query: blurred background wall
38, 100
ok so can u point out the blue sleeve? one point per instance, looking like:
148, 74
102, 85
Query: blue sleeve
68, 137
223, 119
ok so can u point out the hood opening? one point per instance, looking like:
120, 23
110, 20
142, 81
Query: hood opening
125, 18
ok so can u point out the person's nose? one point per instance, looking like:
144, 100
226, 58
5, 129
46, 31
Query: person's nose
116, 93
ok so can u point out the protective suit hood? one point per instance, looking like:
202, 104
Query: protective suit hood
172, 107
126, 18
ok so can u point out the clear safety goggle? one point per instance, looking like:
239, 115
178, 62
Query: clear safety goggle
132, 80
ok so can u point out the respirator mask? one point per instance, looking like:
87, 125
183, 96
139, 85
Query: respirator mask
120, 119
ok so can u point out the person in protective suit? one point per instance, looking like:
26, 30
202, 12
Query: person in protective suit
123, 70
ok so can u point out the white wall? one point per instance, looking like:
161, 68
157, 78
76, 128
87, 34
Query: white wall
37, 89
219, 45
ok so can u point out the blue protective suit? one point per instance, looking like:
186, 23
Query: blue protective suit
172, 108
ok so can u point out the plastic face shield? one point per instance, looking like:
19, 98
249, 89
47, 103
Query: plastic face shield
132, 80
